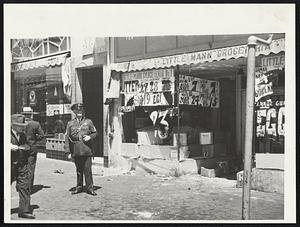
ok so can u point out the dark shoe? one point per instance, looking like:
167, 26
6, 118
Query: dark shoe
26, 215
76, 191
91, 192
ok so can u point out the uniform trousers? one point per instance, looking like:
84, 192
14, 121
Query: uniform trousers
84, 166
20, 173
31, 169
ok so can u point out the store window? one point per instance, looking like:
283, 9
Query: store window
42, 90
270, 109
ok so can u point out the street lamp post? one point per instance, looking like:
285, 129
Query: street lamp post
252, 43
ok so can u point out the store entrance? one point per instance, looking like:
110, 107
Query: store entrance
92, 93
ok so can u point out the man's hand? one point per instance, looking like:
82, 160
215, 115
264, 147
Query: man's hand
14, 147
86, 138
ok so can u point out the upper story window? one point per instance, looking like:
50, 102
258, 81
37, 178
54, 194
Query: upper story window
24, 49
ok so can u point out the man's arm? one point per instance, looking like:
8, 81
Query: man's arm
67, 147
39, 132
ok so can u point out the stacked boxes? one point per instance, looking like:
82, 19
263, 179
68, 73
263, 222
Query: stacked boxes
55, 149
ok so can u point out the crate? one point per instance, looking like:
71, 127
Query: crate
206, 138
182, 139
183, 154
55, 144
55, 154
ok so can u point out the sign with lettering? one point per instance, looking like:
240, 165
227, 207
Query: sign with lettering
54, 109
149, 88
44, 62
226, 53
273, 61
199, 92
263, 82
270, 117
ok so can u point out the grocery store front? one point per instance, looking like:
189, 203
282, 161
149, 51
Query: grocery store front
189, 108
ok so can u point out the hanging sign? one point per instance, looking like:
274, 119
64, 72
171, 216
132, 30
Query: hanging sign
149, 88
199, 92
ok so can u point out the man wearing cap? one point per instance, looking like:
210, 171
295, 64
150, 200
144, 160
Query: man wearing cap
80, 133
19, 159
34, 134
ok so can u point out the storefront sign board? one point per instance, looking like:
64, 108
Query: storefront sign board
199, 92
43, 62
149, 88
226, 53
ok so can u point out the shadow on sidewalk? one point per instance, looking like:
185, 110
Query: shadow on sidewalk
38, 187
84, 188
16, 210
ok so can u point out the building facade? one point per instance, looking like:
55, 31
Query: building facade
166, 98
195, 85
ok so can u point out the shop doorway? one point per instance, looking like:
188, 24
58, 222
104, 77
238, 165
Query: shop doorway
92, 94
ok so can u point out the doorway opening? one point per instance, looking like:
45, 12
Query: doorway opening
92, 95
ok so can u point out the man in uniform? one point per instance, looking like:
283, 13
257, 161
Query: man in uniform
19, 159
34, 134
80, 133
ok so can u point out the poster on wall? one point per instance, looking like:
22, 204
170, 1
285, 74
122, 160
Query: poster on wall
199, 92
54, 109
149, 88
270, 117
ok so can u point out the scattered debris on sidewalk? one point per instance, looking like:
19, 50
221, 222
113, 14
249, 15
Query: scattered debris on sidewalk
144, 214
59, 171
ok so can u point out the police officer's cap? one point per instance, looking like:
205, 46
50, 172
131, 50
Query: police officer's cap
77, 106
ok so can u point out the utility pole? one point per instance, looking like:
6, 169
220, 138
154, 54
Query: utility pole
252, 43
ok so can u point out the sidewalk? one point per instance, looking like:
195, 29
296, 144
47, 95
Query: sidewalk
140, 196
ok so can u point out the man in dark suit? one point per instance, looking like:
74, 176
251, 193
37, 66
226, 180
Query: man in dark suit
19, 159
80, 133
34, 134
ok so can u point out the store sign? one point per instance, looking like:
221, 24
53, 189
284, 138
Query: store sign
54, 109
226, 53
198, 92
32, 98
273, 61
126, 109
263, 82
149, 88
44, 62
270, 117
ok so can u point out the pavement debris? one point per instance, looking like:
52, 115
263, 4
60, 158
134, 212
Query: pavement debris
59, 171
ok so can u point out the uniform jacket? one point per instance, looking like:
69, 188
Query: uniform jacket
74, 143
19, 156
34, 134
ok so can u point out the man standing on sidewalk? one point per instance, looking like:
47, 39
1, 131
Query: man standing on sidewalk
34, 134
80, 133
19, 168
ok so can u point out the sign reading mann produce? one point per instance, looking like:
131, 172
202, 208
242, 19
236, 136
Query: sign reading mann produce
149, 88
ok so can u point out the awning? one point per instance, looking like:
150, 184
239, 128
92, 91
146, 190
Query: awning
227, 53
42, 62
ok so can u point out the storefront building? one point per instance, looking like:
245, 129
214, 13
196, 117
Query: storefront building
50, 74
183, 97
40, 81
